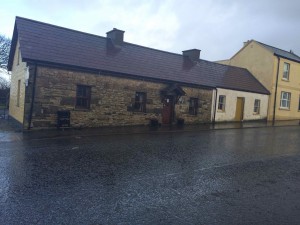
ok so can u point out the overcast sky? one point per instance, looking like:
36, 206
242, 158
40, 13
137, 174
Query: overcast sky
217, 27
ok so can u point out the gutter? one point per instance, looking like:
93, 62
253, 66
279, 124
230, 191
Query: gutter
276, 87
32, 98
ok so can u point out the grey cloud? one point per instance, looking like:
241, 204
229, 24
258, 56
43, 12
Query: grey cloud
217, 27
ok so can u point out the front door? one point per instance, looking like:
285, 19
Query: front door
239, 113
168, 110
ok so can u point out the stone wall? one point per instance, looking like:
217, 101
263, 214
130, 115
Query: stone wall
204, 105
111, 100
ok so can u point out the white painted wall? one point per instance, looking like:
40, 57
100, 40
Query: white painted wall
230, 107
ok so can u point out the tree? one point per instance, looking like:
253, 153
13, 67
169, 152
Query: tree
4, 50
4, 54
4, 84
4, 75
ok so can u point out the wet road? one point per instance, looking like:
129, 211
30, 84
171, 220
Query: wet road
237, 176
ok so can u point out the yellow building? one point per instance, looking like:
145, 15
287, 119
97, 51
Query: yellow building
278, 71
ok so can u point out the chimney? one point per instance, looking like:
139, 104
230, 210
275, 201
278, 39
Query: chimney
246, 42
192, 54
117, 36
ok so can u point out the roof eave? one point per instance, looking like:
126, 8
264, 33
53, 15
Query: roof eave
243, 90
109, 72
278, 55
12, 51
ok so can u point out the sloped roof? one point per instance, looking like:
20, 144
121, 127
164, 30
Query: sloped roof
282, 53
43, 42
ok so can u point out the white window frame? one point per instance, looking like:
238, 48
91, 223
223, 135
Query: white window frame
286, 71
285, 100
140, 102
256, 109
222, 104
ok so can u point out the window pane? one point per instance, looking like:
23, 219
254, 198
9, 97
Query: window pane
256, 105
284, 95
140, 102
193, 106
83, 96
286, 69
284, 103
221, 105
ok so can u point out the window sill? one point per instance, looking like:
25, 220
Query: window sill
221, 111
285, 80
256, 114
285, 109
139, 112
82, 109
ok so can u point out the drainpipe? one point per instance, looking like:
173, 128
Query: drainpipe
32, 98
276, 87
215, 107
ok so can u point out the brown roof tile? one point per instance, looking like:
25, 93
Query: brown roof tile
48, 43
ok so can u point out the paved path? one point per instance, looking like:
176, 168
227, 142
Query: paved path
235, 176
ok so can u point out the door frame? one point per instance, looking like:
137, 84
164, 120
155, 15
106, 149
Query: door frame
240, 117
170, 104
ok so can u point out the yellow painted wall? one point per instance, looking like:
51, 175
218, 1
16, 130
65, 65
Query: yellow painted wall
263, 65
292, 86
18, 73
258, 61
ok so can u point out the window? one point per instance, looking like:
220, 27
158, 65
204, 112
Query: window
286, 71
19, 56
193, 106
299, 104
83, 96
285, 100
18, 93
140, 102
256, 106
222, 100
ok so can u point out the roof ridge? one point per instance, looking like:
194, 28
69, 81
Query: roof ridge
155, 49
277, 48
60, 27
69, 29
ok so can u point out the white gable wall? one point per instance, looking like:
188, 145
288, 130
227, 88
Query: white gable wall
230, 106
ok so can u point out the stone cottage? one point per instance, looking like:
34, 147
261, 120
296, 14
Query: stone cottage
105, 81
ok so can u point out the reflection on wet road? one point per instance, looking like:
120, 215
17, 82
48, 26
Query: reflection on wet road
212, 177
